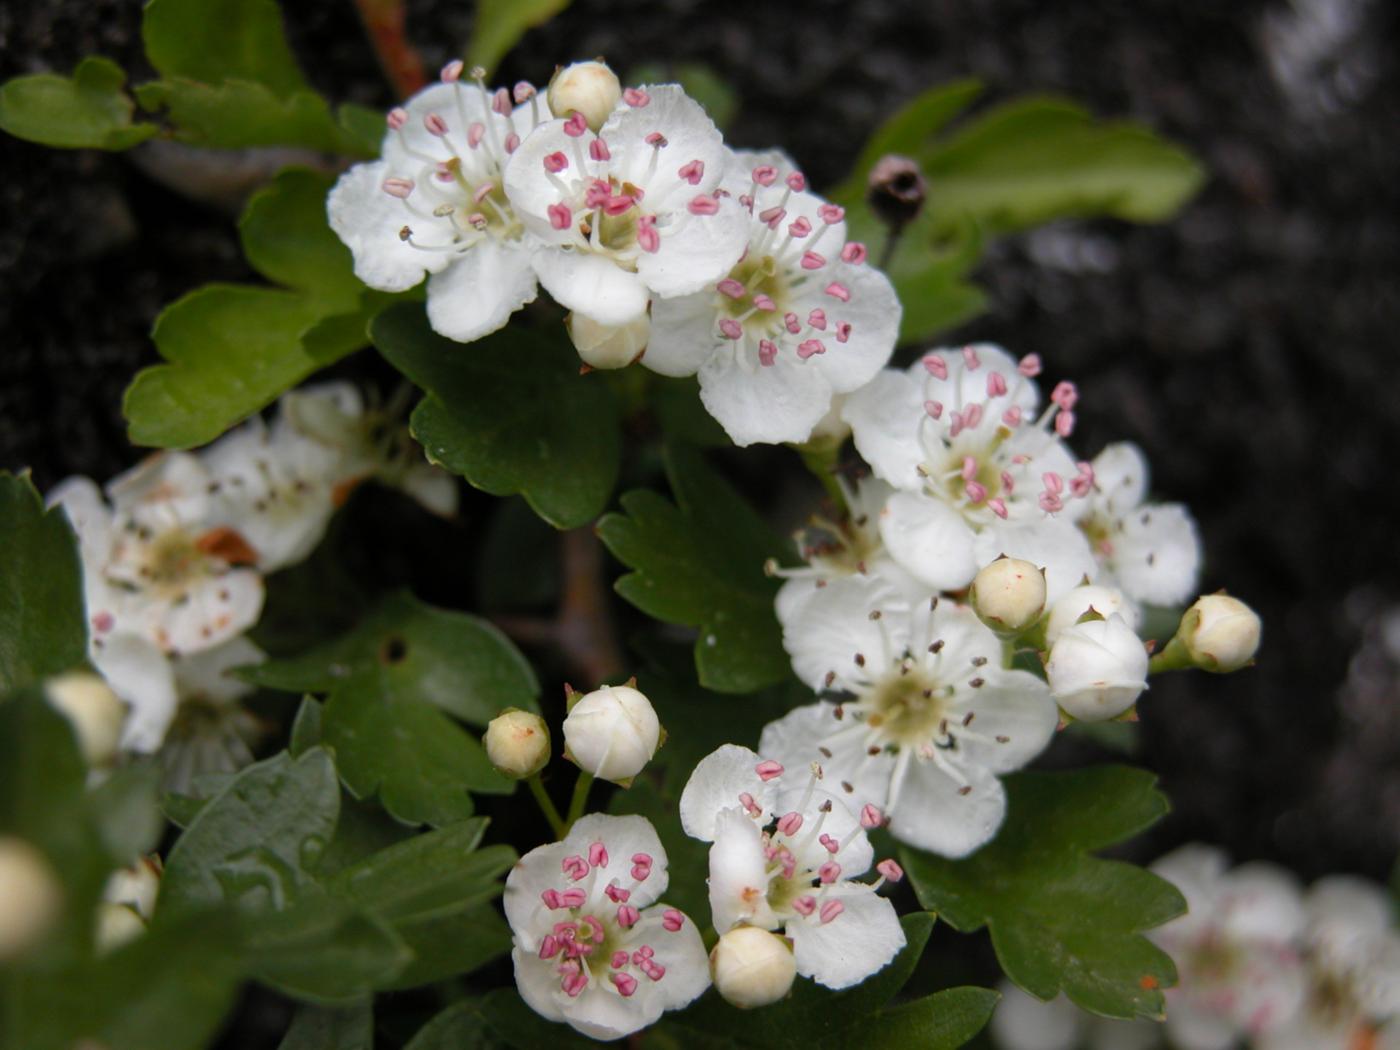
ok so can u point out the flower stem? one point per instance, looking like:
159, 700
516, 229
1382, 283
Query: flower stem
580, 799
822, 458
547, 807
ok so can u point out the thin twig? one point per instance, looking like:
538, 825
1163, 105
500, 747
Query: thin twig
386, 23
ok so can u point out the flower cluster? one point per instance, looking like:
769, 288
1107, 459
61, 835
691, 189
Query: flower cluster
174, 553
1261, 963
666, 246
979, 536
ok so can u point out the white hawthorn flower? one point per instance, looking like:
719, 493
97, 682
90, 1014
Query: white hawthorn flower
1351, 952
929, 718
798, 320
1151, 550
785, 857
628, 212
612, 732
1235, 950
210, 731
435, 204
593, 949
1097, 669
980, 473
157, 564
752, 967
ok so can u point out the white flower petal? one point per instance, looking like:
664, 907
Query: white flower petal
624, 837
205, 675
695, 250
538, 983
930, 540
739, 873
1023, 1022
368, 220
933, 814
1192, 1028
687, 964
141, 675
532, 190
884, 418
1261, 902
873, 313
1014, 706
477, 294
858, 942
1157, 554
1120, 479
689, 133
716, 783
592, 285
780, 402
794, 741
841, 822
827, 631
682, 334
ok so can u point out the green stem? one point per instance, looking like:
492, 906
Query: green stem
547, 807
580, 799
1173, 657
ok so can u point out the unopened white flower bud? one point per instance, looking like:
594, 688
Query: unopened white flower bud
752, 967
94, 712
117, 926
29, 896
589, 88
1097, 669
608, 345
135, 887
517, 743
1009, 595
612, 733
1106, 601
1221, 633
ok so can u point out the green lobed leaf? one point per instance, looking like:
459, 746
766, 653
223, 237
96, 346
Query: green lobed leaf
699, 562
500, 23
43, 627
460, 663
459, 1027
89, 110
214, 40
1060, 918
451, 946
229, 349
256, 842
943, 1021
331, 1028
510, 413
419, 762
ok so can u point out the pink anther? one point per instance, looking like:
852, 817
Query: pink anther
435, 124
732, 288
672, 920
575, 867
935, 366
452, 72
1029, 366
797, 182
837, 290
830, 910
704, 204
555, 162
799, 227
767, 353
843, 331
768, 769
871, 817
790, 823
890, 869
396, 118
765, 174
804, 905
626, 983
831, 214
996, 384
397, 187
812, 261
598, 855
692, 172
560, 217
598, 150
829, 872
817, 319
971, 359
575, 125
854, 252
635, 97
628, 916
731, 329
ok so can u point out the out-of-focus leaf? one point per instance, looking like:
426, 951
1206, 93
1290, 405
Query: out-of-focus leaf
518, 561
419, 762
450, 946
457, 662
43, 628
331, 1028
510, 413
128, 811
215, 40
459, 1027
699, 562
515, 1024
1060, 918
943, 1021
256, 842
500, 23
89, 110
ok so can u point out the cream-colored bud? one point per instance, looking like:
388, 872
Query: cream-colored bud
117, 926
608, 345
612, 733
137, 887
752, 967
517, 743
1105, 601
1221, 633
29, 896
1009, 595
589, 88
94, 712
1097, 669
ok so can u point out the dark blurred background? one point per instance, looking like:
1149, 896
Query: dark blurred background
1249, 346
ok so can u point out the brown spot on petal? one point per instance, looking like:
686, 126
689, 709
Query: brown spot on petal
227, 544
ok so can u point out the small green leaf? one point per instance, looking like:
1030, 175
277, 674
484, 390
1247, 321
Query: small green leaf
128, 811
286, 238
450, 946
239, 114
1060, 918
256, 842
306, 727
428, 876
331, 1028
510, 413
88, 110
943, 1021
419, 762
215, 40
700, 563
43, 628
458, 662
459, 1027
500, 23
